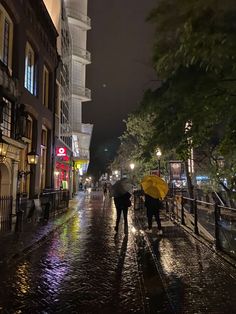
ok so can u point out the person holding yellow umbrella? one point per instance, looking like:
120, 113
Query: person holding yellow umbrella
155, 189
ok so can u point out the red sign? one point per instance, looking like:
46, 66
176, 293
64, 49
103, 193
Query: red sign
61, 151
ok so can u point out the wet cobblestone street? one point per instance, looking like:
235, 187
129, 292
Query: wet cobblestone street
84, 268
81, 269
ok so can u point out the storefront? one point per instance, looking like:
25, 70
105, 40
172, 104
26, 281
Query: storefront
79, 170
62, 173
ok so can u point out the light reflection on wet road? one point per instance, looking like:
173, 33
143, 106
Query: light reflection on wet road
81, 269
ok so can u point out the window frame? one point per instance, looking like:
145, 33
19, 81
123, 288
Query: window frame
30, 82
6, 40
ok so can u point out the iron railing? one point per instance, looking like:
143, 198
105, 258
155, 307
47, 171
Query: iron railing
54, 202
49, 204
6, 213
214, 222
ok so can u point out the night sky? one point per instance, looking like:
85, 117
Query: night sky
121, 46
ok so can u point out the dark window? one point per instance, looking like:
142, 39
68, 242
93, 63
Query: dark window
6, 41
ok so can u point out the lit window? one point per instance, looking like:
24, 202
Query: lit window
30, 69
45, 86
6, 123
6, 38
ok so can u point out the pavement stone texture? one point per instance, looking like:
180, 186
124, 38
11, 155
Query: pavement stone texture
76, 264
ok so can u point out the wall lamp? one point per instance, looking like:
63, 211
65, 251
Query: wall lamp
32, 159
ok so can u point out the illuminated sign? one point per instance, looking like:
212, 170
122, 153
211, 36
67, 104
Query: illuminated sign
61, 151
176, 170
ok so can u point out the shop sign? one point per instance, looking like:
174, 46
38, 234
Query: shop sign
175, 170
60, 151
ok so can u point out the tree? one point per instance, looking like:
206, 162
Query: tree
194, 55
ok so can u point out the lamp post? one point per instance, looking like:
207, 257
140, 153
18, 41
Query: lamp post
158, 154
131, 165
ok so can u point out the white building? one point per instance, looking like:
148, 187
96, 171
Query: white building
72, 42
79, 24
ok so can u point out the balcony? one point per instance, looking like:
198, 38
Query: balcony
80, 92
77, 18
80, 54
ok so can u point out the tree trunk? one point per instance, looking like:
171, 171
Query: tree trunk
189, 181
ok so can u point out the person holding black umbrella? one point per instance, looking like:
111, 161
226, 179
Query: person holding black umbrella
121, 194
122, 203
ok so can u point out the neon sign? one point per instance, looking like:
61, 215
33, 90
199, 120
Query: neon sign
61, 151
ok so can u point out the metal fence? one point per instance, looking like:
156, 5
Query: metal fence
54, 202
5, 213
48, 205
214, 222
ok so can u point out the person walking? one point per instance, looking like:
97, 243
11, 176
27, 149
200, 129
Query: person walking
122, 203
153, 206
105, 189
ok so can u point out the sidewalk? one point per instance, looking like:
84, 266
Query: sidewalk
195, 278
14, 244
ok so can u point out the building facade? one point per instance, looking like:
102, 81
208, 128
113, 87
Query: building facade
28, 65
79, 25
72, 136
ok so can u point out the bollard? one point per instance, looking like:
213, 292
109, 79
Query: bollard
19, 220
46, 211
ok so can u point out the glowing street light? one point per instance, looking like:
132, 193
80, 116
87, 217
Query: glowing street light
158, 154
132, 166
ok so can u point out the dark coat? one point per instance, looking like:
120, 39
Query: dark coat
153, 203
123, 201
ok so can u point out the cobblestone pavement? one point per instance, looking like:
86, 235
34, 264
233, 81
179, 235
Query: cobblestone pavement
196, 279
83, 268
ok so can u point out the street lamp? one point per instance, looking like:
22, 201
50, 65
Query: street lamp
32, 159
158, 154
132, 166
3, 148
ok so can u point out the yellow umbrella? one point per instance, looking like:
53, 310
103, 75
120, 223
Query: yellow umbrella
154, 186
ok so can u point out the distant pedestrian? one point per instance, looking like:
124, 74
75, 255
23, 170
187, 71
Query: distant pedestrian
105, 189
153, 206
122, 203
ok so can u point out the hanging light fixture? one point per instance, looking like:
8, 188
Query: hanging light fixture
3, 148
33, 158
